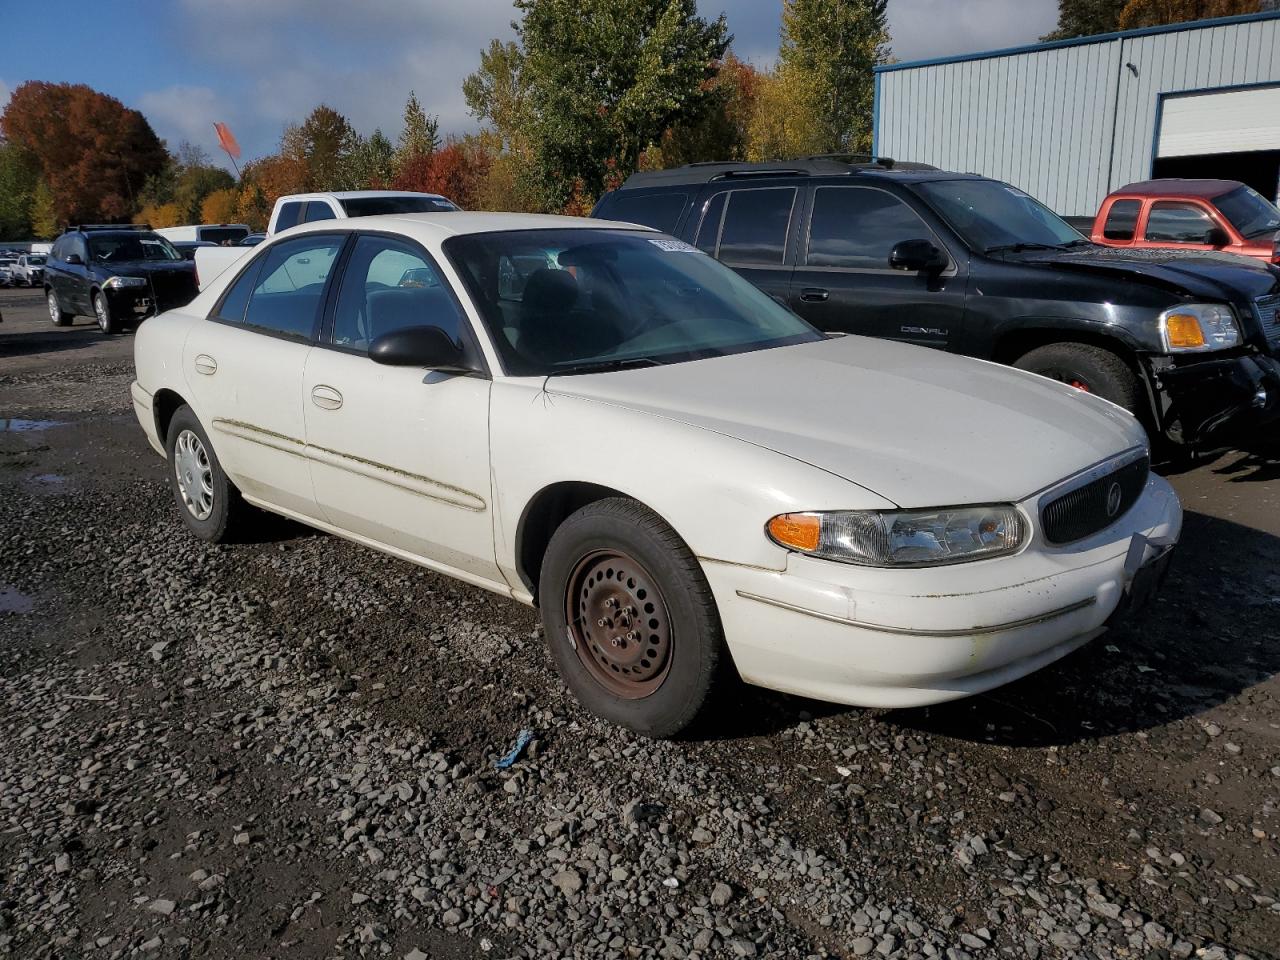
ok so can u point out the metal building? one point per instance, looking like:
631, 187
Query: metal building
1069, 121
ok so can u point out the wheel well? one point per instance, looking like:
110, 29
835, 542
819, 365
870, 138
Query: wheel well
1016, 343
549, 508
164, 405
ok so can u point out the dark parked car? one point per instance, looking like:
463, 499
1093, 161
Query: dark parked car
118, 274
1190, 343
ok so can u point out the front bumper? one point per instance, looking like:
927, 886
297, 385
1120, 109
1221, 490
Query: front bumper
130, 303
900, 638
1216, 401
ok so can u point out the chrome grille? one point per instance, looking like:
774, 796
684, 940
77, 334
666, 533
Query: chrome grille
1086, 510
1267, 308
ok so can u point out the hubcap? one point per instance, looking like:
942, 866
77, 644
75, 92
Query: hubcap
54, 312
619, 624
194, 473
100, 309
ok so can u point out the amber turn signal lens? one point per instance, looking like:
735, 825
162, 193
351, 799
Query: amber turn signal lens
1184, 330
799, 531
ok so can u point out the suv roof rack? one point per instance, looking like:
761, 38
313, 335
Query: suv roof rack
821, 164
82, 227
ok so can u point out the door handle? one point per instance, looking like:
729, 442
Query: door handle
814, 294
326, 398
206, 364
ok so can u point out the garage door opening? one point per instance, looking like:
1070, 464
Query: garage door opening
1260, 169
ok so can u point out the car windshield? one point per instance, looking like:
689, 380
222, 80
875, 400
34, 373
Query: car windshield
223, 235
1249, 212
130, 247
383, 206
991, 215
584, 301
35, 261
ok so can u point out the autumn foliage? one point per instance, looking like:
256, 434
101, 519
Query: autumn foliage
456, 170
94, 153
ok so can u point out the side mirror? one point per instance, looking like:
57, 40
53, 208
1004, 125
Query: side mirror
425, 346
1217, 237
917, 256
74, 258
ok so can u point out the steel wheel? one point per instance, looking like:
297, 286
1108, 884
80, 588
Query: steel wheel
195, 474
619, 624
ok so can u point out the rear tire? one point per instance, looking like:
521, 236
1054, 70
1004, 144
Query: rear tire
208, 502
1089, 368
59, 316
644, 648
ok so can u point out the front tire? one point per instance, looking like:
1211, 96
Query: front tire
107, 323
1088, 368
208, 502
629, 618
59, 316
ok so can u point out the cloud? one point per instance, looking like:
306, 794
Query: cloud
926, 28
5, 91
188, 113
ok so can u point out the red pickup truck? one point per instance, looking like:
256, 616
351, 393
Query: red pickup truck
1223, 215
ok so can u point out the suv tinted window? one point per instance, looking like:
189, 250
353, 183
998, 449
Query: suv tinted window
755, 225
857, 227
709, 228
317, 210
290, 284
1178, 223
658, 210
388, 285
1122, 220
289, 214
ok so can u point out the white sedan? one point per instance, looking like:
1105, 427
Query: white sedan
690, 482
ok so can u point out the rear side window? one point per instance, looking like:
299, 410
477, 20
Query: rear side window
1178, 223
318, 210
289, 214
232, 305
1122, 220
658, 210
856, 227
755, 226
709, 228
291, 283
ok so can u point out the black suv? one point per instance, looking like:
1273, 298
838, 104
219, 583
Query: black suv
118, 274
1187, 342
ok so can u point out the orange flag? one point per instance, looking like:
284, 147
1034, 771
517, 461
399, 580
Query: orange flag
228, 140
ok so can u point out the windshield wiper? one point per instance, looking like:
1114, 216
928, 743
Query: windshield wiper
1020, 246
607, 366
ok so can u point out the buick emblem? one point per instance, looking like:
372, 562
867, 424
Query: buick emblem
1113, 500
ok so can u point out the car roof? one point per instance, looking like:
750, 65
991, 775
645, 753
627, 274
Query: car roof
834, 165
1172, 186
361, 195
440, 226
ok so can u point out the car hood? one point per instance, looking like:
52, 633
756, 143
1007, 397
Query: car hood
1209, 274
916, 426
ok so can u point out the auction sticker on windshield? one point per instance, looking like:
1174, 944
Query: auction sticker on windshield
674, 246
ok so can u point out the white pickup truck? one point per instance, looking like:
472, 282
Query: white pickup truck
297, 208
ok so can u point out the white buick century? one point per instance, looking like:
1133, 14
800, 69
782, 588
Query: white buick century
689, 481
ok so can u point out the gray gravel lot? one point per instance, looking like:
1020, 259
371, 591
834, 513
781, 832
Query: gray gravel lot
286, 749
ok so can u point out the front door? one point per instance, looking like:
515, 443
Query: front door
843, 282
400, 455
245, 364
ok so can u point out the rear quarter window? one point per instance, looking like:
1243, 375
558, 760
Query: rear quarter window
1122, 220
658, 210
289, 214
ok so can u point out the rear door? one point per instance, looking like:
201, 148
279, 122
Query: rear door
843, 282
752, 230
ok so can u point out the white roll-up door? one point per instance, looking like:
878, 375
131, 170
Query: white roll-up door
1232, 121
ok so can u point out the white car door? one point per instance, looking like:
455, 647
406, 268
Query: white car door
400, 455
245, 364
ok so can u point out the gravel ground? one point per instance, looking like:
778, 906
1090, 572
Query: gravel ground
286, 749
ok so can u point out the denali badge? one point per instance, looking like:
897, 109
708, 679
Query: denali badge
1113, 499
927, 331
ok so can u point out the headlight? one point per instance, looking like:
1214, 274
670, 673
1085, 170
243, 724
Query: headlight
115, 283
1198, 327
902, 538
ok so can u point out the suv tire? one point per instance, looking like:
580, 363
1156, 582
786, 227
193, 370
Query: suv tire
1089, 368
107, 323
59, 316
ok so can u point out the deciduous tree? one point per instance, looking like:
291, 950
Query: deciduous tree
94, 153
498, 95
1155, 13
44, 213
220, 206
784, 121
19, 174
162, 215
324, 139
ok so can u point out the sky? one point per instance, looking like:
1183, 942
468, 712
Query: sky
260, 64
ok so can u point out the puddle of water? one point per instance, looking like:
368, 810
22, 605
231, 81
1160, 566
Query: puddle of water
16, 425
15, 601
49, 479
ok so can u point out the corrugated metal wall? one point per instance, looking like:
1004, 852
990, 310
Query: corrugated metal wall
1052, 121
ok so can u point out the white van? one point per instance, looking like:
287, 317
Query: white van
223, 234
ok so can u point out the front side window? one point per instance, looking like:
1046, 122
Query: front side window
857, 227
598, 299
990, 215
1122, 220
389, 285
1178, 223
755, 226
290, 284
